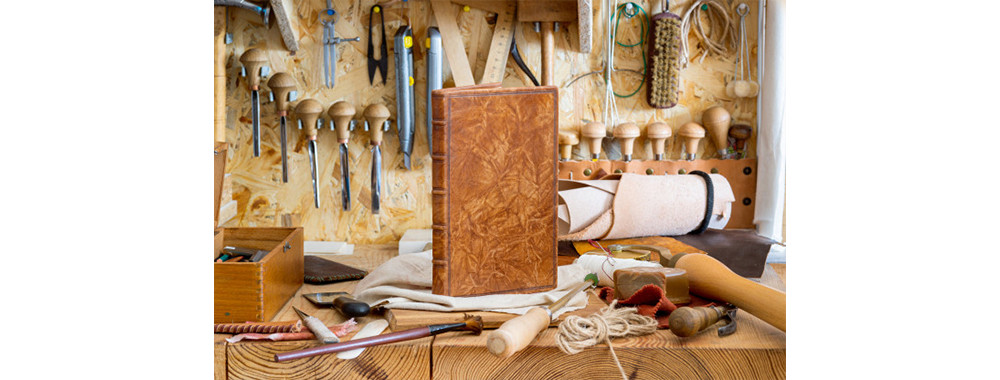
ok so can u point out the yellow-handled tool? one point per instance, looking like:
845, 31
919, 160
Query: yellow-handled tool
517, 333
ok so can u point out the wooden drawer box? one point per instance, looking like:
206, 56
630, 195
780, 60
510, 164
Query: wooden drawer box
246, 291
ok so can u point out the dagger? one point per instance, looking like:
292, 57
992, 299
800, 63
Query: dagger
341, 114
308, 111
376, 115
403, 54
281, 85
434, 78
254, 69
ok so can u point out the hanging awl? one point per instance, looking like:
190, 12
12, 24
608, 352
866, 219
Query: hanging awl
308, 111
282, 88
403, 54
382, 63
341, 116
330, 42
376, 122
434, 78
254, 69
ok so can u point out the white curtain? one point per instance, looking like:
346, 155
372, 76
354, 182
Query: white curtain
770, 134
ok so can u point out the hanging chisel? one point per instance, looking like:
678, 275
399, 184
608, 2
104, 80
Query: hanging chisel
403, 54
382, 63
330, 42
254, 69
282, 85
308, 111
376, 122
341, 115
434, 77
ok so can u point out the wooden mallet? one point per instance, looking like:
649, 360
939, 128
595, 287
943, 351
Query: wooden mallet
517, 333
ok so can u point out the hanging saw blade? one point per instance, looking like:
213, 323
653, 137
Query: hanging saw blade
403, 54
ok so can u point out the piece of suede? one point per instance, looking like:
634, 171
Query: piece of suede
651, 301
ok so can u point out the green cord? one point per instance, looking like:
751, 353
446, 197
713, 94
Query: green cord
642, 38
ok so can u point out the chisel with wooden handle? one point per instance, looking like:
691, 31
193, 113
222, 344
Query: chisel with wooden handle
376, 122
282, 85
517, 333
308, 111
687, 321
342, 117
254, 69
709, 278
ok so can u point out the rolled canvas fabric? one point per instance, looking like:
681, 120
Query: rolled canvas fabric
640, 205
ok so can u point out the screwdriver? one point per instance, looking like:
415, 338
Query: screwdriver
281, 84
308, 111
253, 61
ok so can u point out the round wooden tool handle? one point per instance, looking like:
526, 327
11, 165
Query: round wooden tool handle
740, 132
376, 114
253, 60
687, 321
281, 84
308, 111
626, 132
658, 132
709, 278
548, 53
566, 142
517, 333
595, 132
341, 113
692, 133
716, 119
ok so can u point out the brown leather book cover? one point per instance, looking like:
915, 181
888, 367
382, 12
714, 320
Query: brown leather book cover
494, 196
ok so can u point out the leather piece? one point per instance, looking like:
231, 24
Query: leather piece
494, 196
743, 251
322, 271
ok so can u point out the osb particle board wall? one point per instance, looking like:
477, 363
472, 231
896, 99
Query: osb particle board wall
263, 199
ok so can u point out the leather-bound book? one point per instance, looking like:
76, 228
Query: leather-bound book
494, 194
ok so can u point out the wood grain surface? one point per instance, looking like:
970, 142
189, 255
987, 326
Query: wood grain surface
755, 351
494, 190
406, 203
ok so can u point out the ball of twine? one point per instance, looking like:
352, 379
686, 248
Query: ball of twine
577, 333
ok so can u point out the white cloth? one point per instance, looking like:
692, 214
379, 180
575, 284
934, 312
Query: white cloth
770, 208
405, 283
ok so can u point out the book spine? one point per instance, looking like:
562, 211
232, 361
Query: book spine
439, 195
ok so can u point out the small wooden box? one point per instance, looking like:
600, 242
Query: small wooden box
254, 292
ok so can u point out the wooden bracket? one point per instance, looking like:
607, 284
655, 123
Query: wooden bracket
288, 26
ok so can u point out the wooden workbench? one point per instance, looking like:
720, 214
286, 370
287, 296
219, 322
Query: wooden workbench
755, 351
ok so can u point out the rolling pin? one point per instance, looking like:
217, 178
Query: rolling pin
517, 333
707, 277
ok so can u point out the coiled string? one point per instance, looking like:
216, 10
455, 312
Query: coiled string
576, 333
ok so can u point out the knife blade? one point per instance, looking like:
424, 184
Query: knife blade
403, 54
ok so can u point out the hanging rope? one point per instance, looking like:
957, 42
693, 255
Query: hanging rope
576, 333
721, 26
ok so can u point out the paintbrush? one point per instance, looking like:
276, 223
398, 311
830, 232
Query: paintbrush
471, 323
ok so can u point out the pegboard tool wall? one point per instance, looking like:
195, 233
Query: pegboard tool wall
406, 199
